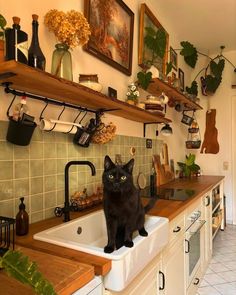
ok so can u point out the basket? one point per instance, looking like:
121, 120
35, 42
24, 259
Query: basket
191, 144
104, 133
20, 132
7, 234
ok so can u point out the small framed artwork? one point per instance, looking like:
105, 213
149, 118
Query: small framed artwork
112, 92
145, 55
111, 24
181, 80
173, 58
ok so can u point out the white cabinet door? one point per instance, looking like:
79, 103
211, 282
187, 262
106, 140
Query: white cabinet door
206, 248
173, 269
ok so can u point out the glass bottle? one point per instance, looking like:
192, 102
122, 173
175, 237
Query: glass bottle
36, 57
61, 62
22, 220
16, 43
19, 109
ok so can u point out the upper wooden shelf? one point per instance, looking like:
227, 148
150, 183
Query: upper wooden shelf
35, 81
157, 86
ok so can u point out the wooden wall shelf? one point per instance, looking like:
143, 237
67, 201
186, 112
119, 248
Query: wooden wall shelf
157, 86
34, 81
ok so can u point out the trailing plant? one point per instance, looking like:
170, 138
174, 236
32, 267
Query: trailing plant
210, 81
19, 267
3, 23
189, 166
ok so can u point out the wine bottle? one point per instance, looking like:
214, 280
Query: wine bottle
36, 57
16, 42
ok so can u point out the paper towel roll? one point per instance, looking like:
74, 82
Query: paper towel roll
60, 126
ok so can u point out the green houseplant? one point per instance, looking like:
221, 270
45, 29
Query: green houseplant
210, 80
18, 266
189, 167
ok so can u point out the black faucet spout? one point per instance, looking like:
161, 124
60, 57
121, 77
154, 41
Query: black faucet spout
67, 204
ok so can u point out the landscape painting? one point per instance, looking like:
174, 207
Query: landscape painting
111, 23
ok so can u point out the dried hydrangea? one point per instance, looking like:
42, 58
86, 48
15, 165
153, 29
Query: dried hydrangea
70, 28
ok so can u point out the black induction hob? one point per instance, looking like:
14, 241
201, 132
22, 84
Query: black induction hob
168, 193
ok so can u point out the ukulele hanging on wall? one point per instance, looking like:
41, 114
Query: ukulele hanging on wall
210, 143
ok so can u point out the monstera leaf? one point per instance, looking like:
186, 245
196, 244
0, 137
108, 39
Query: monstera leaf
193, 89
144, 79
156, 41
189, 53
217, 68
212, 83
18, 266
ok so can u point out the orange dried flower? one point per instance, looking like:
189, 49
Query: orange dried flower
70, 28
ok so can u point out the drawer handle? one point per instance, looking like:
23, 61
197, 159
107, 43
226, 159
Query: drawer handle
163, 280
197, 280
208, 201
177, 229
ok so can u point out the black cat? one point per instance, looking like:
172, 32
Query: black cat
122, 205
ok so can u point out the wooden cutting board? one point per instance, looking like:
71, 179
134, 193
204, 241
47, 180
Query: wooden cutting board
66, 275
163, 171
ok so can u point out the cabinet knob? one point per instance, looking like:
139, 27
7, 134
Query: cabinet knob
177, 229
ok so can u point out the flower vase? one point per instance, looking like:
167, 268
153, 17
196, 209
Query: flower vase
61, 62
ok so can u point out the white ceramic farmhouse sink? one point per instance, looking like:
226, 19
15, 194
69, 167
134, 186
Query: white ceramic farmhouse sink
126, 262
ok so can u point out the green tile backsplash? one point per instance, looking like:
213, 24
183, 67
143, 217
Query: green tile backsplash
37, 171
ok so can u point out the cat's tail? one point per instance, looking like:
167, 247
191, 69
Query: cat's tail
150, 204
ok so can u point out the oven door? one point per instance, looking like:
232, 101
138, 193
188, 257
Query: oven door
193, 249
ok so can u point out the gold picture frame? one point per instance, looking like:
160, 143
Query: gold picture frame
147, 18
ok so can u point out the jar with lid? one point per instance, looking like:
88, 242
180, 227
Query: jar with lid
90, 81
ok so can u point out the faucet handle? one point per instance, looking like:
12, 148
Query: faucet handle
58, 211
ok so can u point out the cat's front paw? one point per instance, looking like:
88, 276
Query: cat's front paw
128, 244
143, 232
108, 249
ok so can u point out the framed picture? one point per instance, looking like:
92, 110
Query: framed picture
111, 23
173, 58
148, 20
181, 80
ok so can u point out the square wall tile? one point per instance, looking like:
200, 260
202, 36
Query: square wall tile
49, 150
36, 150
6, 170
21, 168
36, 168
21, 187
6, 190
36, 185
36, 203
6, 151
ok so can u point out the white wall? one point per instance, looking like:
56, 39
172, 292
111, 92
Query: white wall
212, 164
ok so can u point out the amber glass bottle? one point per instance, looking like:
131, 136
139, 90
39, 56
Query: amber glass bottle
22, 220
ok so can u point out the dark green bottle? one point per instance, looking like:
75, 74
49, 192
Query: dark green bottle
36, 58
16, 42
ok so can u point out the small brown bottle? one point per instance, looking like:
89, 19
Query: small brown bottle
22, 220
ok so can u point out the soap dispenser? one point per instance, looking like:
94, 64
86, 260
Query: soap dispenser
22, 220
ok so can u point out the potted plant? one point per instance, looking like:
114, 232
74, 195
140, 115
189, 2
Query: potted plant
3, 23
189, 167
213, 71
132, 94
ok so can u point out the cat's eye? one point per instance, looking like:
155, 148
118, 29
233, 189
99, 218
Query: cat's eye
110, 176
123, 177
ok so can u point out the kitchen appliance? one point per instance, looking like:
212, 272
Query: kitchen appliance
193, 237
174, 194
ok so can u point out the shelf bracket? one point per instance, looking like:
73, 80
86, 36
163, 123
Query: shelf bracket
144, 127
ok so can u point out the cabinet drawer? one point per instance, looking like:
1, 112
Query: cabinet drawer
196, 282
177, 228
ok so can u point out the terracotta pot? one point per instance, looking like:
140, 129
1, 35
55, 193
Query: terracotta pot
2, 51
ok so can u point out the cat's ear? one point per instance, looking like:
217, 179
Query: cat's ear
129, 166
108, 164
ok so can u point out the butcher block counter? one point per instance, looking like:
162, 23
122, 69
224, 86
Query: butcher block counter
91, 265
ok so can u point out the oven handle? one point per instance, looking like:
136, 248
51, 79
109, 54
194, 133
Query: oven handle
201, 222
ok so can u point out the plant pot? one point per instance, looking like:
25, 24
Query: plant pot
130, 101
2, 55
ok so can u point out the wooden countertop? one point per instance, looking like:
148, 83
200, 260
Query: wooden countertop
164, 208
170, 209
65, 275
